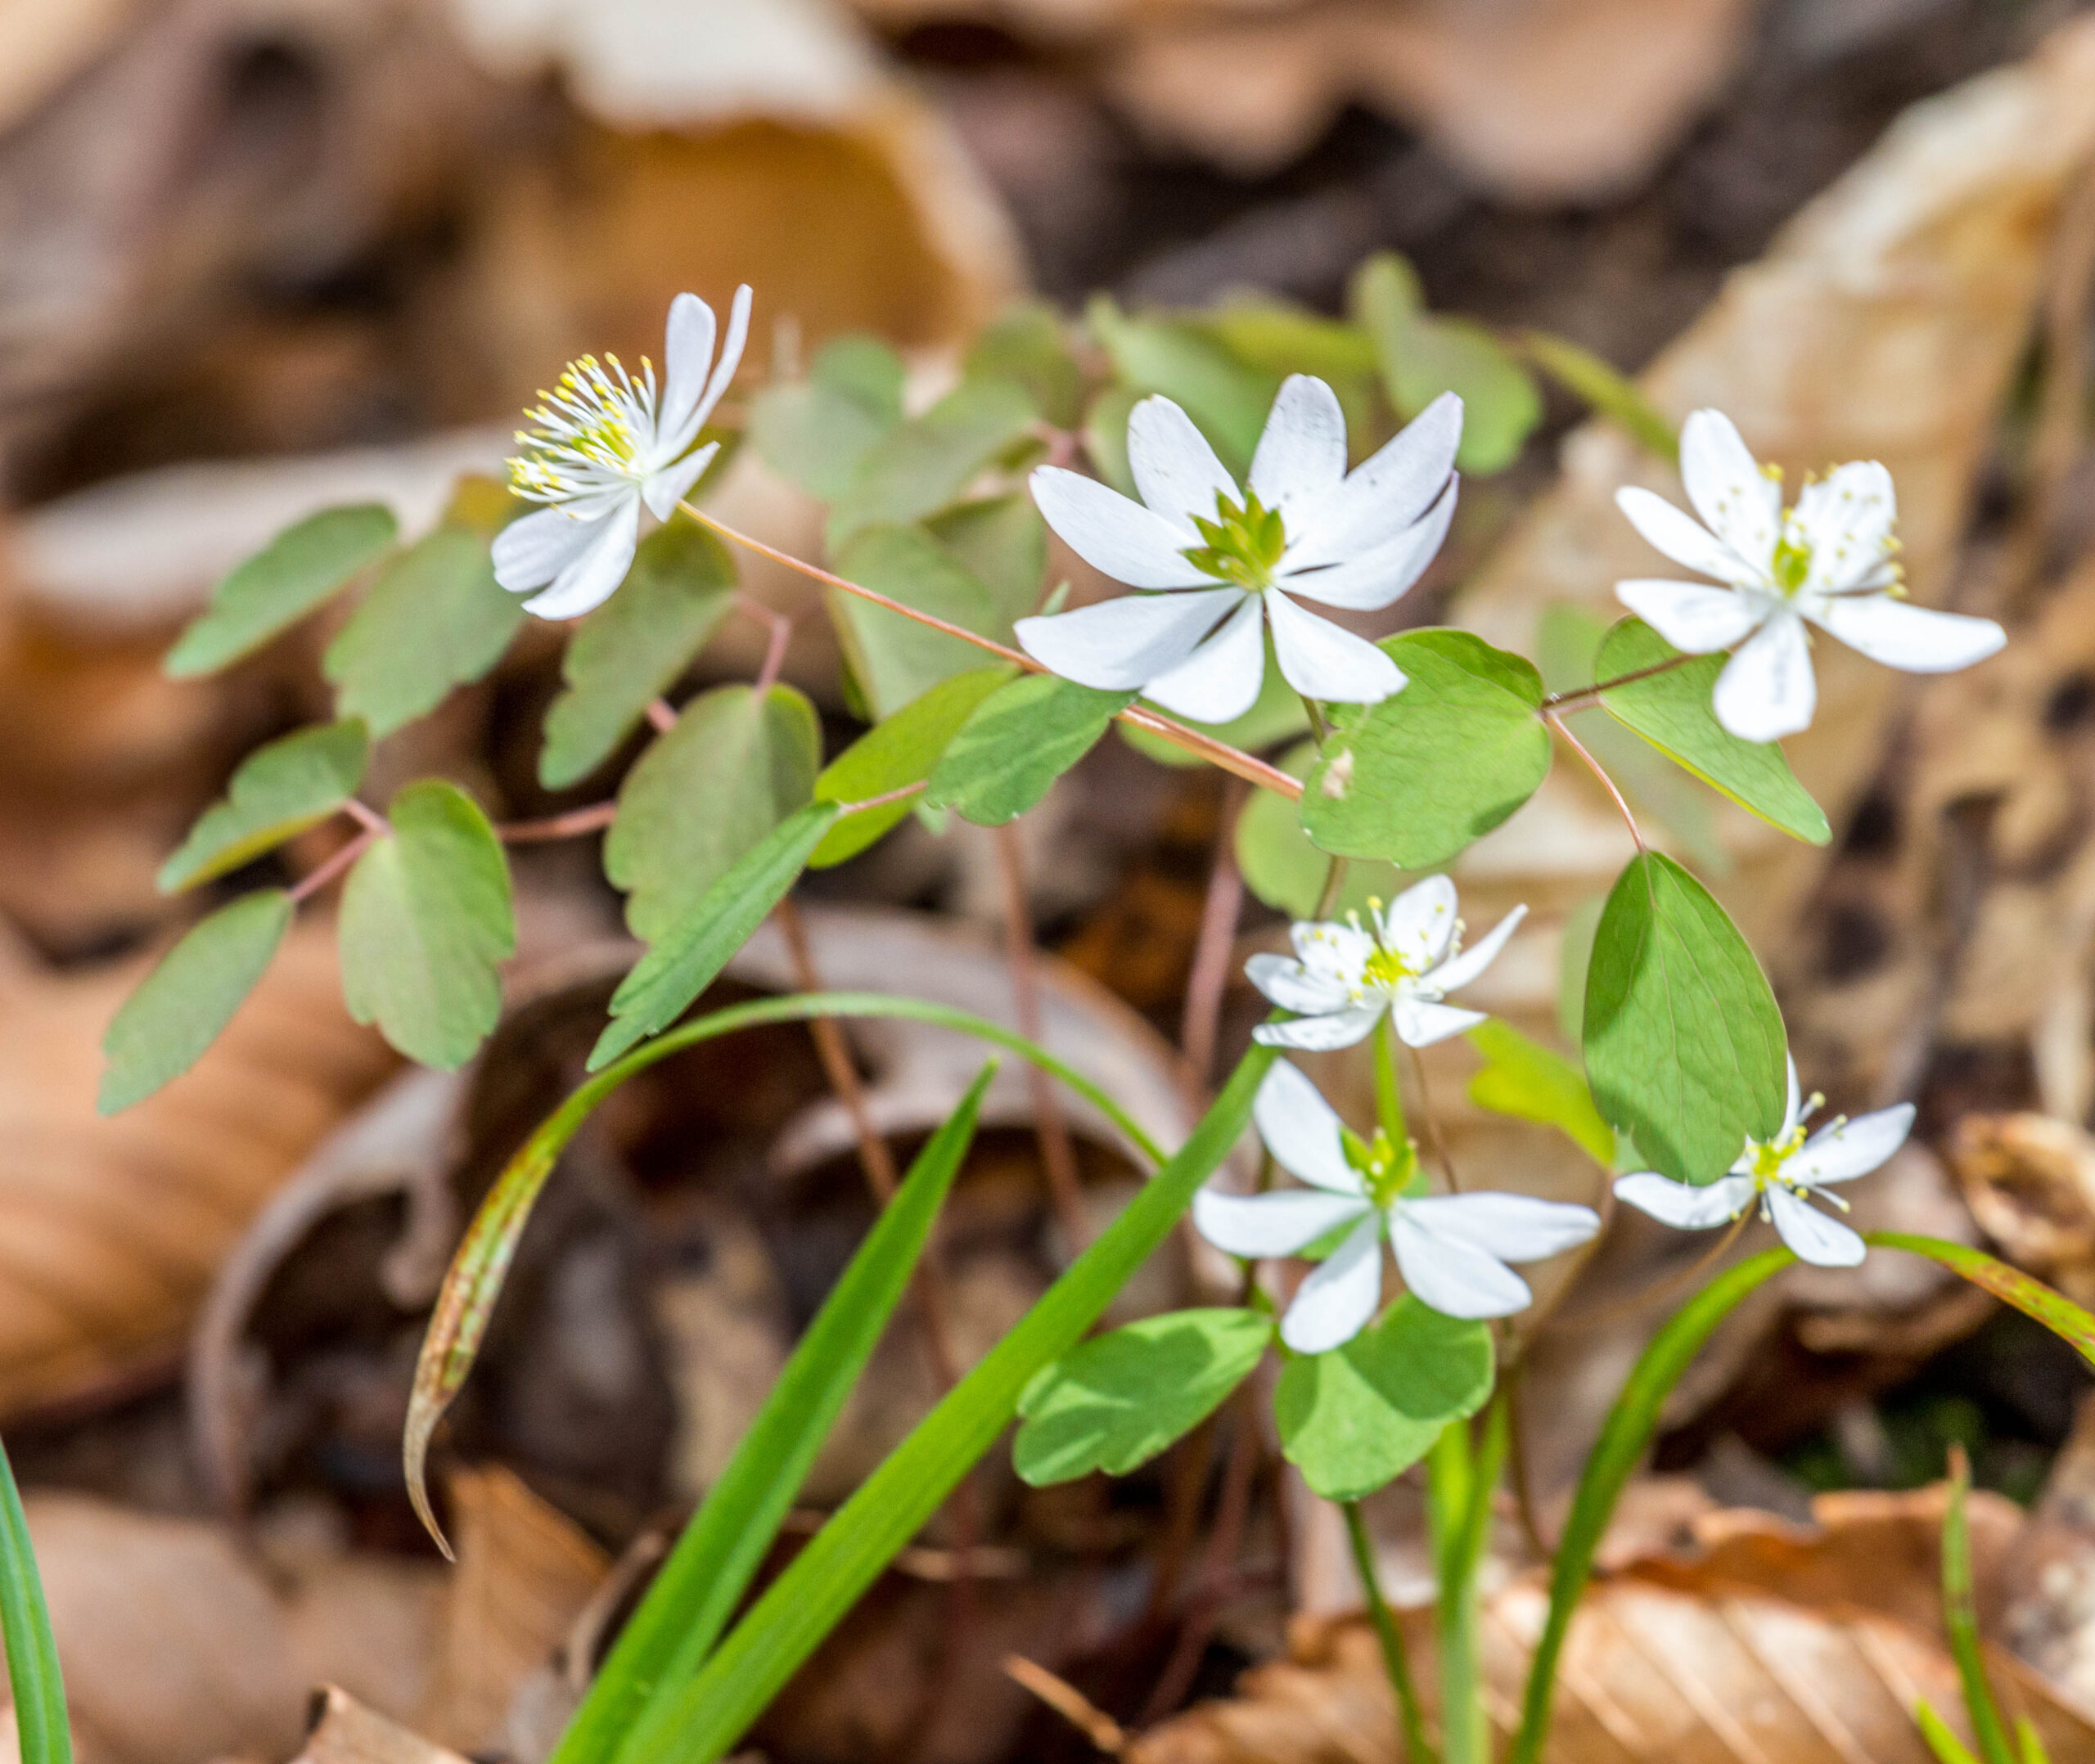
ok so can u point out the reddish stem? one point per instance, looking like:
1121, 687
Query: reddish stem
1598, 771
310, 885
571, 825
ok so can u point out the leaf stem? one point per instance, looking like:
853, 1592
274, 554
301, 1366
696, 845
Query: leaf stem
1435, 1138
1585, 697
1412, 1724
1592, 765
572, 823
781, 633
314, 880
1960, 1617
1231, 760
1209, 980
1389, 1093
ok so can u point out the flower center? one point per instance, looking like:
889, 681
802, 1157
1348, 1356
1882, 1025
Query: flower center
1385, 968
1791, 565
592, 422
1386, 1171
1244, 542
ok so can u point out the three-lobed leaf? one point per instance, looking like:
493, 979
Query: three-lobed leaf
924, 463
1684, 1046
1525, 1079
279, 791
1672, 711
434, 619
1416, 778
1354, 1420
633, 648
736, 763
181, 1007
1019, 741
894, 659
1121, 1398
426, 920
303, 565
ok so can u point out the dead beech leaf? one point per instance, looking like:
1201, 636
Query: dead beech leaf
345, 1732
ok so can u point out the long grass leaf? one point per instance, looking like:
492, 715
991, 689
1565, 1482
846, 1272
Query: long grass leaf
43, 1733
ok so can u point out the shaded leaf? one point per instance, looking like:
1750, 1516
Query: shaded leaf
1672, 711
1121, 1398
1283, 867
1525, 1079
1611, 392
436, 619
1024, 343
1354, 1420
816, 431
689, 954
900, 751
1021, 738
1002, 542
426, 923
278, 792
1226, 397
1684, 1046
1416, 777
894, 659
734, 766
283, 581
633, 648
923, 463
180, 1007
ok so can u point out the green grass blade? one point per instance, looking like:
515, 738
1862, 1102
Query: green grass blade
1626, 1433
44, 1734
1960, 1619
1947, 1747
702, 1723
2033, 1298
724, 1545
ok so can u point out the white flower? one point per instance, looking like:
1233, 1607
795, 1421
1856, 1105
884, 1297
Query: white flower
1451, 1249
1781, 1173
1403, 961
605, 443
1305, 528
1831, 560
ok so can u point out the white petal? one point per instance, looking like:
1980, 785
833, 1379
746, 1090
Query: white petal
1114, 533
689, 353
1823, 1241
1419, 923
1472, 962
1737, 501
1683, 539
593, 578
1420, 1024
731, 357
669, 487
1374, 578
1338, 1300
1853, 1149
1846, 519
1301, 454
1457, 1279
1901, 635
1271, 1225
1333, 949
1321, 661
1293, 987
1767, 689
1126, 642
528, 553
1386, 492
1220, 680
1174, 468
1301, 1130
1692, 615
1320, 1035
1513, 1227
1683, 1206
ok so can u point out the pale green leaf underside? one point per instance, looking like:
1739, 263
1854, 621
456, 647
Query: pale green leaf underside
278, 792
283, 581
1525, 1079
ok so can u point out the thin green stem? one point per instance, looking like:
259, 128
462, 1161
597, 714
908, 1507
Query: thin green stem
1389, 1094
1458, 1501
1334, 884
1584, 697
1960, 1618
1417, 1749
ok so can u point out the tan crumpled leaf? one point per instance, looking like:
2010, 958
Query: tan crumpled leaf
2030, 1180
345, 1732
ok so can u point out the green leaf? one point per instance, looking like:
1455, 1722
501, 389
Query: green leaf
633, 648
1354, 1420
283, 581
1019, 741
1283, 869
1960, 1619
689, 955
180, 1007
2058, 1313
1227, 398
1422, 356
1672, 711
689, 1602
702, 1723
278, 792
1106, 435
1610, 392
734, 766
1525, 1079
43, 1735
1416, 777
436, 619
1276, 715
898, 752
1684, 1045
426, 923
923, 463
1024, 343
894, 659
816, 431
1002, 542
1625, 1436
1947, 1747
1120, 1399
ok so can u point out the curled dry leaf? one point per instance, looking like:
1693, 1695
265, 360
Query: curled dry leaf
345, 1732
2030, 1182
